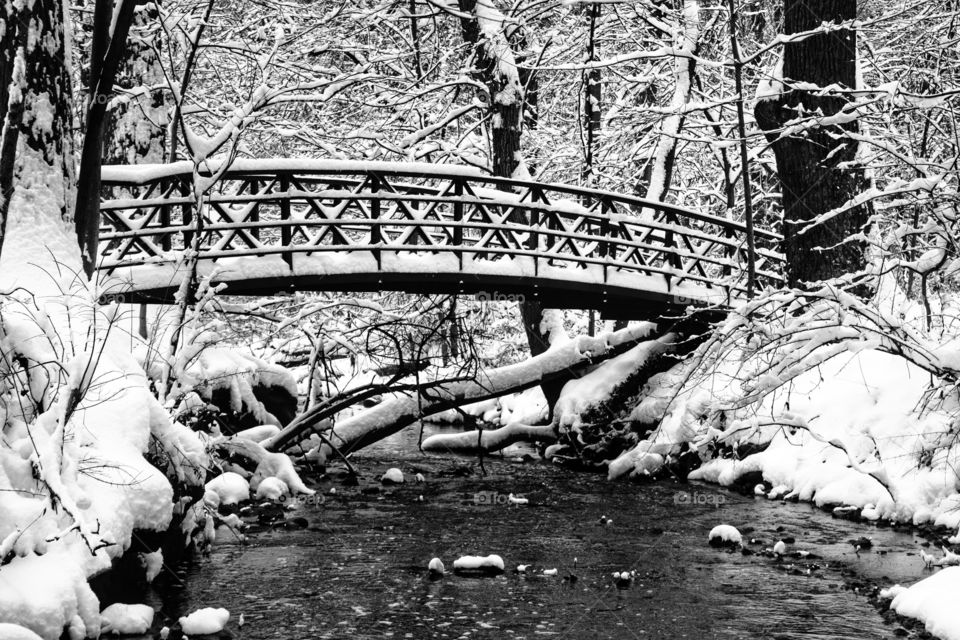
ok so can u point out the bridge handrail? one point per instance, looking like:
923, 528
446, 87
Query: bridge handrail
142, 175
386, 210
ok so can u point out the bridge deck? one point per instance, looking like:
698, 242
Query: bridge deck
269, 226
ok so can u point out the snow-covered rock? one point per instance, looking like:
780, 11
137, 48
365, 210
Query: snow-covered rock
724, 534
230, 488
272, 489
152, 564
436, 567
492, 563
392, 476
126, 619
279, 465
207, 620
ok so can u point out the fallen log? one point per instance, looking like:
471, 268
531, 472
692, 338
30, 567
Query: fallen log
406, 407
489, 440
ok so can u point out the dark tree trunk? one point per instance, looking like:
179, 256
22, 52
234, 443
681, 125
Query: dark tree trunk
35, 149
506, 107
592, 95
135, 132
810, 166
107, 53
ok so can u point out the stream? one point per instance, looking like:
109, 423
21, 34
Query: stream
354, 564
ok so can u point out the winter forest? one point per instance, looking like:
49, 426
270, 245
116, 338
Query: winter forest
479, 319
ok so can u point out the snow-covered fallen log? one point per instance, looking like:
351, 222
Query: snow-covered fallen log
488, 440
407, 407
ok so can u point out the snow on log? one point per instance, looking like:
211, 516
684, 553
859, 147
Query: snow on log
405, 408
488, 440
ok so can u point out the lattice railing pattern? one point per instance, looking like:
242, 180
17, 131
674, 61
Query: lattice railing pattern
150, 214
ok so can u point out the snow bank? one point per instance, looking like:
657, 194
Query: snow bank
74, 482
933, 601
16, 632
844, 433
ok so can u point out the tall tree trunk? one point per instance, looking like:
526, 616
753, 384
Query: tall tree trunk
687, 43
36, 176
495, 67
135, 130
810, 164
107, 54
592, 94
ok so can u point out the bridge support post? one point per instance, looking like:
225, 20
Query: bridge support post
255, 209
286, 231
376, 232
458, 219
186, 213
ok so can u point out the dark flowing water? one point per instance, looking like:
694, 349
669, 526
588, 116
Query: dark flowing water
358, 570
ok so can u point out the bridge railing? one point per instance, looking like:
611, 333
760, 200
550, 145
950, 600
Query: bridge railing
292, 207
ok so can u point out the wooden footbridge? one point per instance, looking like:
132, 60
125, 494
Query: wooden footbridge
269, 226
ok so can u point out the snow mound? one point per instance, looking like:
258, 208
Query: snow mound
153, 563
230, 487
272, 488
491, 563
16, 632
393, 475
724, 534
208, 620
126, 619
933, 602
279, 465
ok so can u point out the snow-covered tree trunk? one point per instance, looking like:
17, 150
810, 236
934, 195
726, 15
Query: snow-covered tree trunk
485, 28
687, 38
812, 149
36, 176
136, 127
